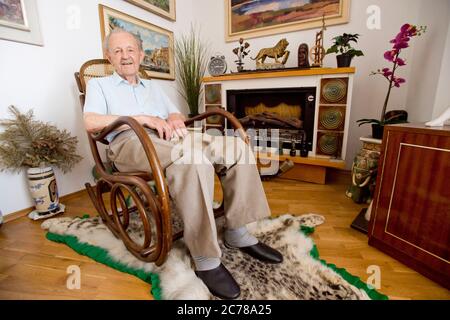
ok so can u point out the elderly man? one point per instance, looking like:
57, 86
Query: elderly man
191, 183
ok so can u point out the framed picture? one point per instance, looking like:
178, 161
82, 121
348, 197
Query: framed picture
19, 21
163, 8
157, 42
251, 19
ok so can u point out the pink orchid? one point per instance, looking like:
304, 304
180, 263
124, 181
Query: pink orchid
387, 72
400, 62
400, 42
405, 27
390, 55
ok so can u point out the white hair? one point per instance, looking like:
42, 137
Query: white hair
120, 30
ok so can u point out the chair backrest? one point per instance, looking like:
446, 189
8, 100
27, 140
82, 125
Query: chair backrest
97, 68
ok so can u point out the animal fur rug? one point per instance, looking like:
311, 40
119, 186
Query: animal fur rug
300, 276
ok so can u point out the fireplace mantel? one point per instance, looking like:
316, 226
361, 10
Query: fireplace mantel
332, 102
280, 74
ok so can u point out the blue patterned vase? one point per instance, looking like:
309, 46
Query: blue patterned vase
43, 189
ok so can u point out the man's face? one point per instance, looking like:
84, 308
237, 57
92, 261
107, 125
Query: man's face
124, 54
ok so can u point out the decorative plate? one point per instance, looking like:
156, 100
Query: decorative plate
328, 144
215, 119
213, 94
334, 90
331, 119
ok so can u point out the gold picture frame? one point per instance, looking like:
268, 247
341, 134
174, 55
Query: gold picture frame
246, 19
157, 42
166, 10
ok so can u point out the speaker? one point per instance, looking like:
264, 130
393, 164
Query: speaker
329, 143
213, 100
332, 116
334, 91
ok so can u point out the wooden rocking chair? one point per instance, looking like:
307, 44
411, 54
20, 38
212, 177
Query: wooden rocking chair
151, 204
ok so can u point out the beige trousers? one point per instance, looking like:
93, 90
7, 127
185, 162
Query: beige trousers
190, 166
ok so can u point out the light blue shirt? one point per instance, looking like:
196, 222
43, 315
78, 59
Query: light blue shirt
114, 95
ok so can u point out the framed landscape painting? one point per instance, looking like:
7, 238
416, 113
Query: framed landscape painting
157, 42
19, 21
258, 18
164, 8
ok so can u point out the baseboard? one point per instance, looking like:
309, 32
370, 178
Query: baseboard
22, 213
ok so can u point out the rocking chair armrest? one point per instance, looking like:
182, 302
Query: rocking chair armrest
147, 145
229, 116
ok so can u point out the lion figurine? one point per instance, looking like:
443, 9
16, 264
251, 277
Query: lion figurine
279, 51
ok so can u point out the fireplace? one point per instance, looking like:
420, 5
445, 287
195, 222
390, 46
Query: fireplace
290, 110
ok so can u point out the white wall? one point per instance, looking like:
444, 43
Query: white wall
427, 63
42, 78
442, 101
369, 92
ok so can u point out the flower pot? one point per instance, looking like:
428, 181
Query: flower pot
344, 60
377, 131
44, 191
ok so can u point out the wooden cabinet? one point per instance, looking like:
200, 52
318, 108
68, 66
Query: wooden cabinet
411, 210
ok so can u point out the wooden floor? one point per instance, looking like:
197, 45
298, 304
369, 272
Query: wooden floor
32, 267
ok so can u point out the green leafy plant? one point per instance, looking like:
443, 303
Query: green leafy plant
191, 56
391, 120
342, 45
27, 142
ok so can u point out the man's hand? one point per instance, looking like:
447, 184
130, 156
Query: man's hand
164, 129
176, 123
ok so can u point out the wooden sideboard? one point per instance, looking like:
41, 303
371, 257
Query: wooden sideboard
411, 210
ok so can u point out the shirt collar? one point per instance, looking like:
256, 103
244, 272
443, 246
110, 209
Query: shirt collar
118, 80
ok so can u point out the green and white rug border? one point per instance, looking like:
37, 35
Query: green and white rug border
102, 256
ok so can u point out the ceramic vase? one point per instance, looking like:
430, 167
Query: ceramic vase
43, 189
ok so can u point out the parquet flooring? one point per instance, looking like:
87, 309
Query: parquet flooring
31, 267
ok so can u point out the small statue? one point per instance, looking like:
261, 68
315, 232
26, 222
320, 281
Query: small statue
364, 174
441, 120
241, 52
318, 51
303, 56
293, 151
276, 52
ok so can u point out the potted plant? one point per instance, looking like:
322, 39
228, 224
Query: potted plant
343, 48
191, 61
37, 146
400, 42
